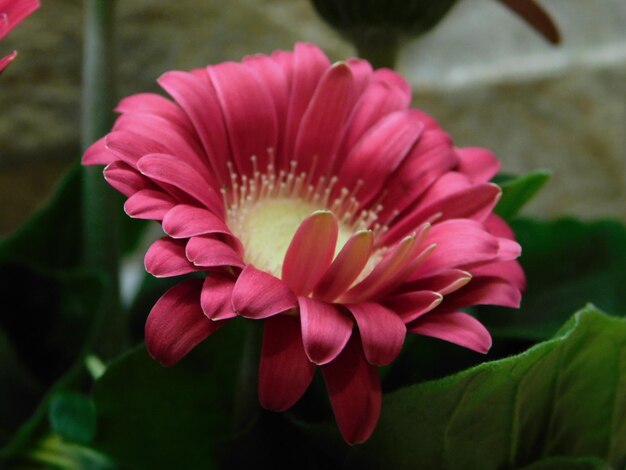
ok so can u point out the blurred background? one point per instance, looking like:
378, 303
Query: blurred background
487, 78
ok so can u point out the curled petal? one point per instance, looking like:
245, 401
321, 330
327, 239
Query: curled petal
258, 294
185, 221
354, 389
208, 252
166, 258
382, 332
455, 327
310, 252
285, 371
478, 164
176, 323
413, 305
215, 298
325, 329
149, 204
125, 179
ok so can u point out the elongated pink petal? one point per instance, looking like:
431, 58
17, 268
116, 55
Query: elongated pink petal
431, 157
413, 305
382, 332
6, 60
258, 294
176, 323
215, 298
166, 258
322, 125
325, 329
395, 81
508, 249
285, 371
14, 12
498, 227
197, 98
484, 291
125, 179
158, 105
449, 199
149, 204
377, 101
479, 164
444, 283
129, 147
346, 267
510, 271
310, 252
170, 170
379, 152
98, 154
309, 64
460, 243
209, 252
249, 114
455, 327
354, 390
185, 221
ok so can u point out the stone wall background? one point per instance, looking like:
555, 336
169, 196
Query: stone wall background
483, 74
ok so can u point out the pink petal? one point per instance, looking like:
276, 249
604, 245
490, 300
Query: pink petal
285, 371
378, 100
170, 170
310, 252
249, 114
498, 227
158, 105
510, 271
322, 125
508, 249
149, 204
258, 294
451, 197
444, 283
382, 332
431, 157
391, 270
396, 82
185, 221
378, 153
346, 267
460, 243
215, 298
198, 100
354, 390
479, 164
413, 305
14, 12
176, 323
6, 60
455, 327
325, 329
309, 64
129, 147
484, 291
209, 252
98, 154
126, 179
166, 258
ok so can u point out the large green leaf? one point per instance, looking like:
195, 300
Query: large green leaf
562, 398
163, 418
568, 263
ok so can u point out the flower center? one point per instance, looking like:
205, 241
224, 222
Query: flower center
265, 211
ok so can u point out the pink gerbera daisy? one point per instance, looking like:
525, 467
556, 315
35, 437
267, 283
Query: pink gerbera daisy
311, 197
12, 13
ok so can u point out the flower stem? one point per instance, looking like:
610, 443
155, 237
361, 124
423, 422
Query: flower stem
379, 48
246, 398
100, 230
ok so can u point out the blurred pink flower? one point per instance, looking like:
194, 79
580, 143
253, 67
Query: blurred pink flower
12, 13
313, 198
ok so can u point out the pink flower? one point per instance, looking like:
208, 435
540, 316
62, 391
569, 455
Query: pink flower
12, 13
313, 198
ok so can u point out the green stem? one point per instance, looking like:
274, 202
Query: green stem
246, 398
101, 233
379, 48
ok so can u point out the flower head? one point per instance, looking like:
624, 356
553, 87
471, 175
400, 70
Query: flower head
12, 13
311, 197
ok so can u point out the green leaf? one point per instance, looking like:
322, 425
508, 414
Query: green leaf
562, 398
566, 463
516, 192
163, 418
567, 263
73, 417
